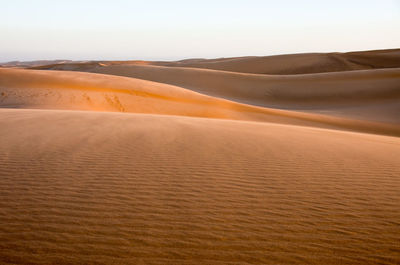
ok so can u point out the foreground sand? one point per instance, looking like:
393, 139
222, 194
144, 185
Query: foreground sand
93, 187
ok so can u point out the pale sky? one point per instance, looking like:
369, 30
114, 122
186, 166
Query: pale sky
173, 29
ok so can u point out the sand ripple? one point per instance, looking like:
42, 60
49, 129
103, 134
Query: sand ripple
111, 188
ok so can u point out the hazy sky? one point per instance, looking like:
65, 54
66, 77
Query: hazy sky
172, 29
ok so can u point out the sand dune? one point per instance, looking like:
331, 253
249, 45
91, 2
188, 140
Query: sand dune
347, 94
290, 159
326, 88
278, 64
86, 91
300, 63
370, 94
102, 188
27, 64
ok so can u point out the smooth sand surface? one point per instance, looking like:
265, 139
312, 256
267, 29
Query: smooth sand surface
290, 159
112, 188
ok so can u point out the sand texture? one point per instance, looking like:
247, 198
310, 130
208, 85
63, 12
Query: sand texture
202, 161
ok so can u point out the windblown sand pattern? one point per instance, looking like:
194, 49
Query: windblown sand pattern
105, 169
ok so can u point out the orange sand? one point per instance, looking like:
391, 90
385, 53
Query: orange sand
202, 166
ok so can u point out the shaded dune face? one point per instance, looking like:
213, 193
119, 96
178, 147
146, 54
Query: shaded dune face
366, 94
290, 159
318, 89
86, 187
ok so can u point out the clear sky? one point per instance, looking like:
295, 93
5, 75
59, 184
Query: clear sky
174, 29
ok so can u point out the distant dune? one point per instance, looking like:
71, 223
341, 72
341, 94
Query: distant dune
25, 64
305, 63
300, 63
289, 159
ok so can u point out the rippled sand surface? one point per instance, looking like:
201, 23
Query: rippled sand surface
103, 188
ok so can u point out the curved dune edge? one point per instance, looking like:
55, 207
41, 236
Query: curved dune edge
326, 88
371, 95
107, 188
87, 91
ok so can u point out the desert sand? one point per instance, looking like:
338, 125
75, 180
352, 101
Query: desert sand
290, 159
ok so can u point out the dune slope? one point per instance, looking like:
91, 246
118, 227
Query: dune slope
326, 88
87, 91
350, 94
358, 85
102, 188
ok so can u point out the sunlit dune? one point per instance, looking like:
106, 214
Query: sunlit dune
85, 91
336, 92
369, 91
